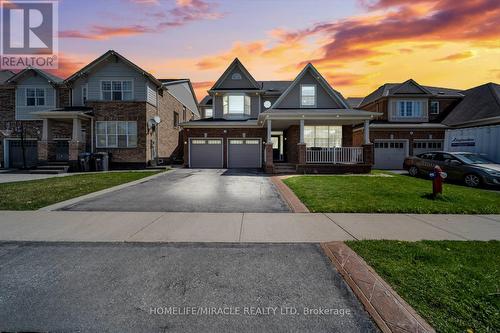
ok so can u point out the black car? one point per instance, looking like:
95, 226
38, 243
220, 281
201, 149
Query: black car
472, 169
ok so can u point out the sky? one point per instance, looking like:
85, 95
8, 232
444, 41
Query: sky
356, 45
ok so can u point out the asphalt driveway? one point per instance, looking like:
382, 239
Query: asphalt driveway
115, 287
194, 190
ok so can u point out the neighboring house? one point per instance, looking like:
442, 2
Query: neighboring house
411, 121
111, 105
302, 125
475, 122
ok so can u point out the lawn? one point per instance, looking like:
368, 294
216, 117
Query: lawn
454, 285
396, 194
35, 194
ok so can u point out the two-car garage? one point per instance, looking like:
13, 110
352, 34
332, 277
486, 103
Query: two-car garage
240, 153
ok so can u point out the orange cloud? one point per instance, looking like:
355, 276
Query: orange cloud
457, 56
103, 32
200, 88
239, 50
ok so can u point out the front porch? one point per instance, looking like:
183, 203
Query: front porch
312, 143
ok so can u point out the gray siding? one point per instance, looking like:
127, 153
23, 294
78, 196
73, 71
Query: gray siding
218, 109
151, 94
183, 93
229, 83
323, 100
24, 112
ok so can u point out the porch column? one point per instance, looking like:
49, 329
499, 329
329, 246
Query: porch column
301, 135
45, 145
269, 166
366, 132
76, 145
269, 130
77, 130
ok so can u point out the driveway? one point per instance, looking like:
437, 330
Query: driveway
194, 190
148, 288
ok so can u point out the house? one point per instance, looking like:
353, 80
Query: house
411, 120
111, 106
474, 124
302, 125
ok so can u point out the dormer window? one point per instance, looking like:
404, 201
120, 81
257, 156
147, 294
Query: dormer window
236, 104
236, 76
308, 95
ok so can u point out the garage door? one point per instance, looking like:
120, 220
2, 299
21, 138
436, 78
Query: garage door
420, 147
244, 153
16, 153
205, 153
390, 154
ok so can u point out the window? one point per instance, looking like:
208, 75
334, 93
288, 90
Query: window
236, 104
84, 93
184, 114
176, 119
116, 134
323, 136
35, 96
116, 90
209, 113
236, 76
410, 109
307, 95
434, 107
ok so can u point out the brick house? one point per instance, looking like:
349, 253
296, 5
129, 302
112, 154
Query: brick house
410, 122
302, 125
111, 105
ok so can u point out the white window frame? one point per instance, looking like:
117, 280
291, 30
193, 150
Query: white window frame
329, 144
128, 135
85, 93
430, 107
122, 91
247, 105
211, 112
302, 105
404, 113
36, 97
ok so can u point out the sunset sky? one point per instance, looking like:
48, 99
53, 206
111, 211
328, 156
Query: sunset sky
356, 45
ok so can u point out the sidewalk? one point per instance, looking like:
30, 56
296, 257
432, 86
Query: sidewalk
239, 227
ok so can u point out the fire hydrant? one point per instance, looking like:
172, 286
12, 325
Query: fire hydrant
437, 180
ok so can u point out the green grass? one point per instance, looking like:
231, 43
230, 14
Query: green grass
454, 285
35, 194
397, 194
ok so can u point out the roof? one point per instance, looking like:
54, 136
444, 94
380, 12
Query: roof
390, 89
354, 102
5, 75
48, 76
183, 91
207, 100
480, 103
104, 57
274, 86
236, 62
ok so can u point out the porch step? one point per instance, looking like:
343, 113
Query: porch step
51, 169
284, 168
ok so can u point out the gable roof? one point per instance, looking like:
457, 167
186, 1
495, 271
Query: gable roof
236, 62
49, 77
274, 87
309, 67
480, 103
183, 91
207, 100
390, 89
354, 102
5, 74
107, 55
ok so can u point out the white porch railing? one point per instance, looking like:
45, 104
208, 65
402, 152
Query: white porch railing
338, 155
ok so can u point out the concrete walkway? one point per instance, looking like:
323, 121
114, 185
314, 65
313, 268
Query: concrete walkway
240, 227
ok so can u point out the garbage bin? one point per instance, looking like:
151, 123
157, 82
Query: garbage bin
101, 161
84, 159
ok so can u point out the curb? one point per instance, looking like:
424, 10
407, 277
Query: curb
287, 194
389, 311
73, 201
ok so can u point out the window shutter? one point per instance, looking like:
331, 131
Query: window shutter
225, 104
247, 105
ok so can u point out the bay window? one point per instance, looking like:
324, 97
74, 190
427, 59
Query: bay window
209, 113
116, 90
323, 136
116, 134
35, 96
236, 104
308, 95
409, 109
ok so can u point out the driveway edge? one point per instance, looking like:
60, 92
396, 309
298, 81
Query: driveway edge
389, 311
73, 201
287, 194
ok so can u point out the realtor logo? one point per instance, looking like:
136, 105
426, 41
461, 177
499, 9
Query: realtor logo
29, 32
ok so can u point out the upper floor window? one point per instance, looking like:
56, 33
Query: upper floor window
308, 95
35, 96
209, 113
84, 93
434, 109
236, 76
116, 90
116, 134
410, 109
184, 114
176, 119
236, 104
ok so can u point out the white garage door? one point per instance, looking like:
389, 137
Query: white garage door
205, 153
423, 146
244, 153
390, 154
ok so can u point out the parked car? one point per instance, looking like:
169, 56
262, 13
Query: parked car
472, 169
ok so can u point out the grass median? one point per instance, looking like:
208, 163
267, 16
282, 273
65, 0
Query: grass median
35, 194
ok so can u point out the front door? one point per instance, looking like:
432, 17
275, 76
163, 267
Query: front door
277, 144
62, 150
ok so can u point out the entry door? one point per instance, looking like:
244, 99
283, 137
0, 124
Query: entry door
205, 153
244, 153
62, 150
276, 140
16, 153
390, 154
